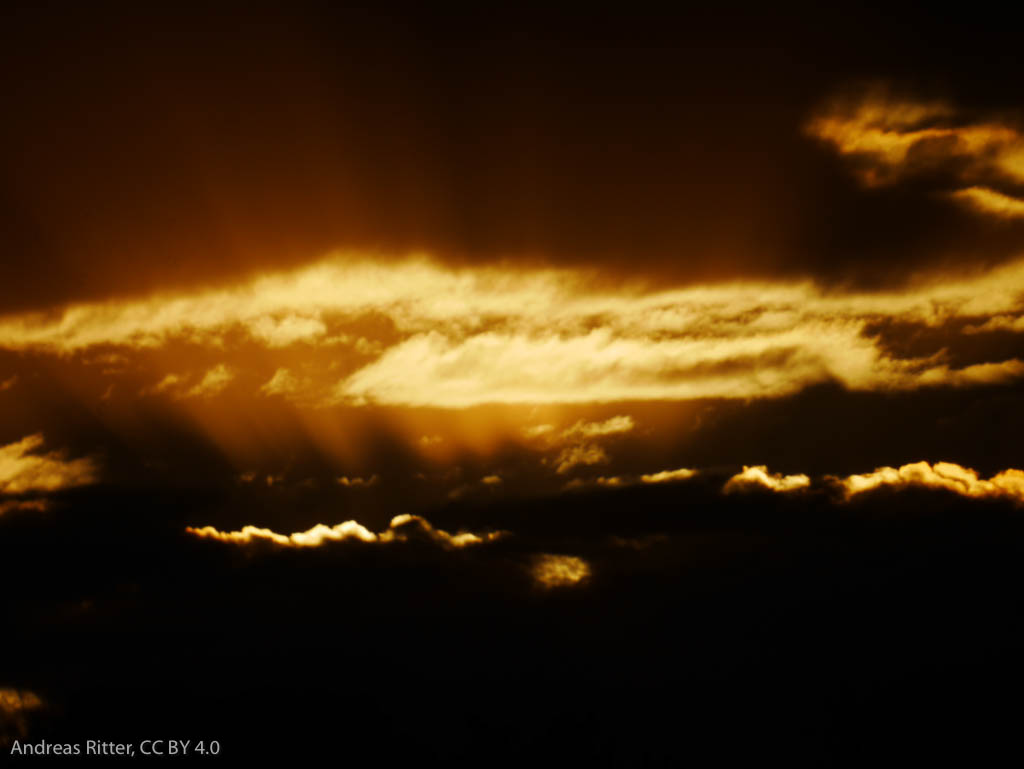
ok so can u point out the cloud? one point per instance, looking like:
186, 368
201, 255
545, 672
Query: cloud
613, 426
1008, 484
574, 456
991, 202
23, 504
459, 338
7, 384
1010, 323
554, 571
668, 476
491, 480
282, 383
358, 482
599, 367
900, 135
888, 139
311, 538
403, 528
759, 477
213, 382
282, 332
15, 707
22, 471
169, 382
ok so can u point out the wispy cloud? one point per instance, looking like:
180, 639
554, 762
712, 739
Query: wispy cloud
458, 338
22, 470
889, 138
213, 382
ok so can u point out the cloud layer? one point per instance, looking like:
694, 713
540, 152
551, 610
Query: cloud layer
414, 333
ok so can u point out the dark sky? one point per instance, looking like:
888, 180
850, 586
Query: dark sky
145, 146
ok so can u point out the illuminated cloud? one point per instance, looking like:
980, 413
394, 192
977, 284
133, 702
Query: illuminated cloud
213, 382
358, 482
311, 538
23, 504
22, 471
282, 383
992, 202
613, 426
403, 528
574, 456
7, 384
668, 476
758, 477
458, 338
1008, 484
895, 137
1011, 323
281, 332
169, 382
491, 480
552, 571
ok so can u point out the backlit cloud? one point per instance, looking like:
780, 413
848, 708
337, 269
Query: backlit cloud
282, 383
402, 528
990, 201
1008, 484
22, 470
759, 477
668, 476
213, 382
435, 336
585, 454
358, 482
553, 571
888, 139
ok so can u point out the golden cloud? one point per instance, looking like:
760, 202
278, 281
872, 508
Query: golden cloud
1008, 484
15, 707
992, 202
552, 571
457, 338
573, 456
358, 482
668, 476
213, 382
759, 477
402, 528
893, 138
282, 383
22, 471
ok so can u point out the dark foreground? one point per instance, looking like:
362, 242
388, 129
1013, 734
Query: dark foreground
712, 631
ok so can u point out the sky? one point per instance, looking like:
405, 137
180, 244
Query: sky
337, 340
